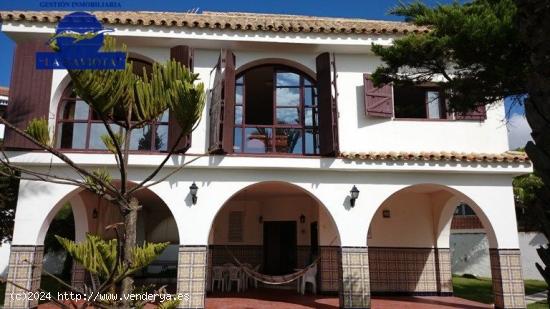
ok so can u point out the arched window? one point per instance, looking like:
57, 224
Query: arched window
276, 112
78, 127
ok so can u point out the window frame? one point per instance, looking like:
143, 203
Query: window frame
271, 149
154, 125
443, 110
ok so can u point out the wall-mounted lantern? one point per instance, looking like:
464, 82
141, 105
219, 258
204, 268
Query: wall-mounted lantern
354, 194
95, 214
386, 213
193, 191
302, 219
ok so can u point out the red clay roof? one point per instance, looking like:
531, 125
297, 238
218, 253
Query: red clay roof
4, 91
506, 157
231, 20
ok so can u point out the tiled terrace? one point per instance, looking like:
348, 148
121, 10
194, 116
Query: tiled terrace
268, 299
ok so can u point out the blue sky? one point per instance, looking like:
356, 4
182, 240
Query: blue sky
361, 9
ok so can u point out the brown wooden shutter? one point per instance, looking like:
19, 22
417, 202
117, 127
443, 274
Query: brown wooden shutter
30, 91
378, 100
479, 113
328, 114
222, 105
183, 55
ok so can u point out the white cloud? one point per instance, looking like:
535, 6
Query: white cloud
519, 131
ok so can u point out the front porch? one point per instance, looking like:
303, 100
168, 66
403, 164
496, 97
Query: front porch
394, 241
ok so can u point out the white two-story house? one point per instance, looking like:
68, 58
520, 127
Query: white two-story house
291, 126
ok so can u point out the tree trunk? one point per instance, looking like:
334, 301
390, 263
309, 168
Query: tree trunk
534, 25
130, 235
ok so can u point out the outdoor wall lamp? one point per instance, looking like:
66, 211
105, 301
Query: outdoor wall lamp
95, 213
193, 191
354, 193
302, 219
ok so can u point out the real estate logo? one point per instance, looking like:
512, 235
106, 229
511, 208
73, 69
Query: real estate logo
77, 42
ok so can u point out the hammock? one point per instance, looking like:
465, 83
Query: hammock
273, 280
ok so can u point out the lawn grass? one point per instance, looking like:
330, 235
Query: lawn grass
480, 289
538, 305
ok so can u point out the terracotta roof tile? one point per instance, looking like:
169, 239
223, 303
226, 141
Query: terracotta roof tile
4, 91
231, 20
506, 157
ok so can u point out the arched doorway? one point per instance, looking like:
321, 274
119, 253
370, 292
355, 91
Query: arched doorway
93, 214
277, 228
408, 241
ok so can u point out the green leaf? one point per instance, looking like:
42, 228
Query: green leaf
38, 129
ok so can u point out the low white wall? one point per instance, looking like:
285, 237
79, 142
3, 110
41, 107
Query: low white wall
470, 254
4, 259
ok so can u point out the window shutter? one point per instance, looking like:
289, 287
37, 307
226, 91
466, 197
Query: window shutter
378, 100
236, 222
222, 105
328, 114
479, 113
30, 91
183, 55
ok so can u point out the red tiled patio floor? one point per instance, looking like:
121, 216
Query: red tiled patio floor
285, 299
271, 298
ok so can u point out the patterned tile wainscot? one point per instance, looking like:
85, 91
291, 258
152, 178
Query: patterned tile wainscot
192, 276
328, 270
355, 290
408, 271
25, 267
507, 278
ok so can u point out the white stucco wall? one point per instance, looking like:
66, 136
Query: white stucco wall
375, 134
492, 195
470, 254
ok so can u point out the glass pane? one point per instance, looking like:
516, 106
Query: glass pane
288, 141
307, 82
258, 140
141, 139
288, 79
68, 110
81, 110
75, 110
311, 117
288, 96
309, 96
240, 80
164, 117
161, 138
289, 115
311, 140
239, 95
238, 114
72, 136
433, 105
238, 140
96, 131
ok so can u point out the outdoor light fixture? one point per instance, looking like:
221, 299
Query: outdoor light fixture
386, 213
302, 219
354, 193
94, 213
193, 191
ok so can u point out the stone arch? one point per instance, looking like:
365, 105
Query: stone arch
303, 189
277, 61
450, 201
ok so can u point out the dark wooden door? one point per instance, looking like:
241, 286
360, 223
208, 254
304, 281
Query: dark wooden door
279, 247
314, 231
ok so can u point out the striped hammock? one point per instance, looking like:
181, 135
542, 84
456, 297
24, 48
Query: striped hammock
269, 279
